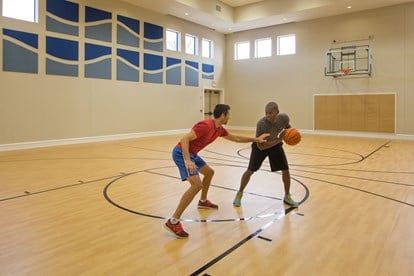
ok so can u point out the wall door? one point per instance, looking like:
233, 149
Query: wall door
211, 99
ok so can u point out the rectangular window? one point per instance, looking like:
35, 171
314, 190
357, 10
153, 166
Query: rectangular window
207, 48
242, 50
286, 45
263, 47
191, 44
21, 9
173, 42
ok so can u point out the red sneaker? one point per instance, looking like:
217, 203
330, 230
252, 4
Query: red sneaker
207, 205
176, 229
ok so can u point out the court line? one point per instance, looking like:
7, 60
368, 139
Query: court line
217, 186
240, 243
80, 182
355, 177
108, 198
357, 189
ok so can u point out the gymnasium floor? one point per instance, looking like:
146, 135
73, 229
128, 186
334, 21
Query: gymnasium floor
98, 209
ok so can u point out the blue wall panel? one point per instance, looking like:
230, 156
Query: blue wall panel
98, 61
173, 71
191, 73
62, 57
99, 24
153, 66
128, 31
153, 37
127, 65
20, 58
62, 17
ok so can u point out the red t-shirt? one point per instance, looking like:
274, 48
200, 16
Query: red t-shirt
206, 133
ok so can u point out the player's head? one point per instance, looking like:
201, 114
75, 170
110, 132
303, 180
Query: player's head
271, 110
283, 119
222, 109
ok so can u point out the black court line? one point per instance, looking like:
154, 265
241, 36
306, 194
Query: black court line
240, 243
380, 147
264, 238
239, 153
360, 157
227, 155
108, 198
357, 170
259, 214
349, 163
357, 189
356, 177
83, 158
80, 182
216, 186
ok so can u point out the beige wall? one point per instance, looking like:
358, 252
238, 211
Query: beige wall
292, 81
36, 107
43, 107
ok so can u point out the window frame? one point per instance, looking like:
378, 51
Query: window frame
237, 50
257, 48
177, 40
195, 44
210, 48
279, 46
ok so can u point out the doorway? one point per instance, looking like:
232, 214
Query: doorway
212, 97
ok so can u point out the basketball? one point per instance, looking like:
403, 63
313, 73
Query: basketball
292, 136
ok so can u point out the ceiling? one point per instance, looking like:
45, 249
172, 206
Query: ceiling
228, 16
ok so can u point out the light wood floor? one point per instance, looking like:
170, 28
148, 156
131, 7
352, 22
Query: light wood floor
98, 209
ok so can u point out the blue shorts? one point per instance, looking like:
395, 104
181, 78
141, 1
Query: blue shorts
178, 158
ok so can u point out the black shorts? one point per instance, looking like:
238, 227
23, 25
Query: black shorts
276, 154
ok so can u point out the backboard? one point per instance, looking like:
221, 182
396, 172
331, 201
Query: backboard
349, 60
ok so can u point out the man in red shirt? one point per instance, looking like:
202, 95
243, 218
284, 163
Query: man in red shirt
189, 163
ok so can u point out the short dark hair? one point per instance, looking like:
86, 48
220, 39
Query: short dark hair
272, 105
221, 109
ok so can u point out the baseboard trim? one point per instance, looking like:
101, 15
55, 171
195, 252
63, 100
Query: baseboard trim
70, 141
81, 140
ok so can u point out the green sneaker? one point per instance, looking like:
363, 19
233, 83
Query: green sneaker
289, 201
237, 199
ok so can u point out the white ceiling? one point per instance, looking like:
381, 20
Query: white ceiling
228, 16
238, 3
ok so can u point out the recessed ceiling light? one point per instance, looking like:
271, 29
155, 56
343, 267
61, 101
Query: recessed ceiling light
186, 13
348, 7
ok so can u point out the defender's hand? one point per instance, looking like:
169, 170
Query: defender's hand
262, 138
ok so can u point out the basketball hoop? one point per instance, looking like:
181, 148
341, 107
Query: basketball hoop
346, 71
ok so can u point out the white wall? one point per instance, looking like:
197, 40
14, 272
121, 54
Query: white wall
293, 80
36, 107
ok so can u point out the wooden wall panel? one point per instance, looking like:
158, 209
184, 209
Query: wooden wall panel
362, 112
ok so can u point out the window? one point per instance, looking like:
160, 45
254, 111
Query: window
21, 9
173, 40
263, 47
207, 48
286, 45
242, 50
191, 44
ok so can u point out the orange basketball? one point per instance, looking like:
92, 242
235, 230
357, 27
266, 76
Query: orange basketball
292, 136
